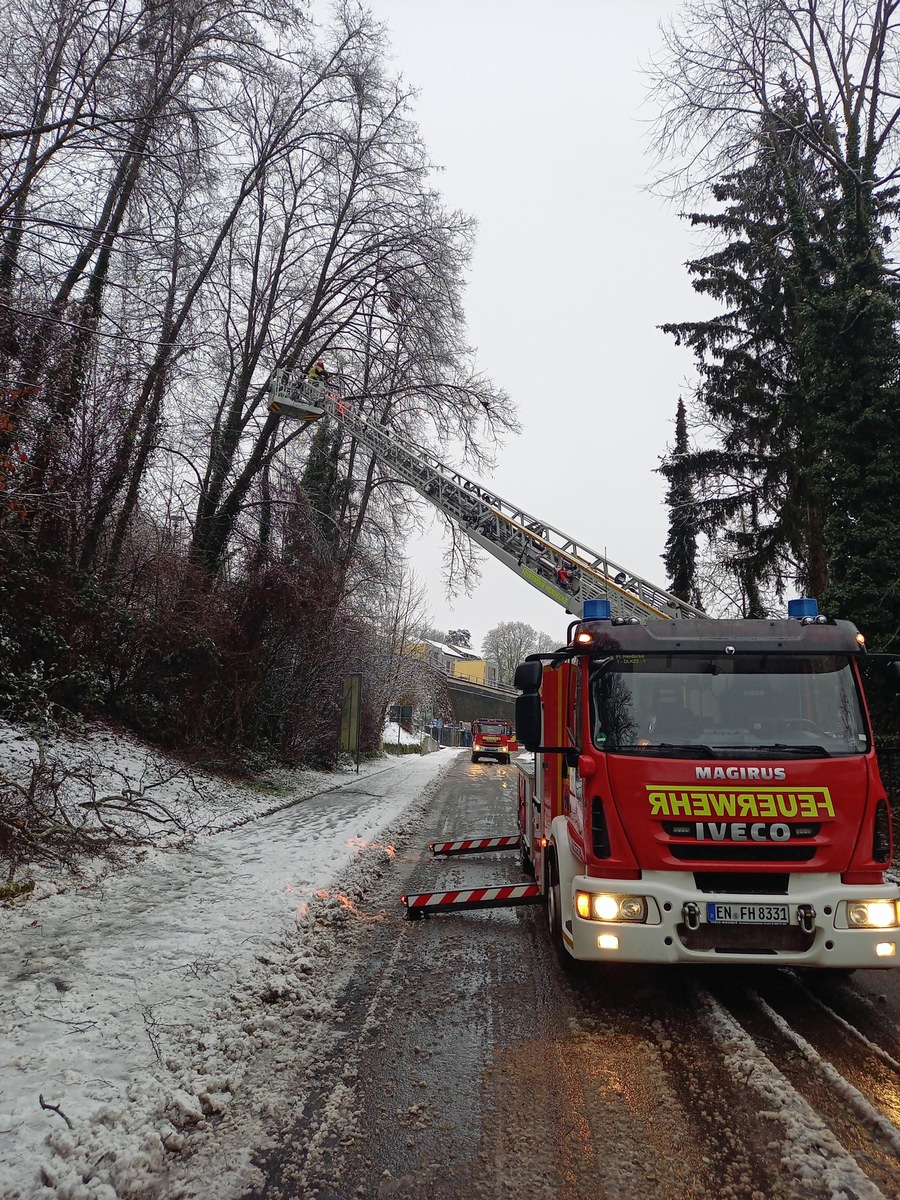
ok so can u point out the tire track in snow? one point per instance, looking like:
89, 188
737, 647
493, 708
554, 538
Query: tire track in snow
811, 1152
821, 1035
338, 1110
334, 1111
849, 1027
867, 1111
309, 1149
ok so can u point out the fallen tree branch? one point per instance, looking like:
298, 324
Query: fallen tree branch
55, 1108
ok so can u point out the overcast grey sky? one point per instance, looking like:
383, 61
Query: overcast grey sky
535, 110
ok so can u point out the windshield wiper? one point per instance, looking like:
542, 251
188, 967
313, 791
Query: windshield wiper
803, 751
773, 750
681, 749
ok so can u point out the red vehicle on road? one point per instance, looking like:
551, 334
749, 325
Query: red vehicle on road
492, 737
707, 791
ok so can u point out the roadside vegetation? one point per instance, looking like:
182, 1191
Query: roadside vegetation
778, 133
193, 197
197, 196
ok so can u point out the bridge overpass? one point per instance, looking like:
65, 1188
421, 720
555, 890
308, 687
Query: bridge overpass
466, 702
469, 701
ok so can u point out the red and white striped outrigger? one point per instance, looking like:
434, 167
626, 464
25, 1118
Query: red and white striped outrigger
475, 845
426, 903
503, 896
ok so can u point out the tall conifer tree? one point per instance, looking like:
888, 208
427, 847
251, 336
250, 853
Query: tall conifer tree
324, 480
793, 108
681, 547
756, 496
800, 382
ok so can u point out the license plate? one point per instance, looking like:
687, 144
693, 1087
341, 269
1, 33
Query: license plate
748, 914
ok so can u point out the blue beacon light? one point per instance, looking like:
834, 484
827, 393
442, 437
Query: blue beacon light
803, 606
597, 610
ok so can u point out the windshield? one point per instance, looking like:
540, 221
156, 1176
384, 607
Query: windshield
728, 705
491, 728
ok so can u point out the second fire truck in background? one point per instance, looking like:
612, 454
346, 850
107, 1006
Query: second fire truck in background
492, 737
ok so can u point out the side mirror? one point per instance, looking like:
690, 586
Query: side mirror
528, 718
528, 677
573, 757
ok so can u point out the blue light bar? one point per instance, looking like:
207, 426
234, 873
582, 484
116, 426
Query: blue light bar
804, 606
597, 610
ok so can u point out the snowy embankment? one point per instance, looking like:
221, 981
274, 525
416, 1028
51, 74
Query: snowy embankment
396, 735
153, 1017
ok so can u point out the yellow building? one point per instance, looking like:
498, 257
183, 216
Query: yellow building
457, 661
475, 670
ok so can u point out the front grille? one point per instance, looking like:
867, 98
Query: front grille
685, 829
753, 883
757, 852
746, 939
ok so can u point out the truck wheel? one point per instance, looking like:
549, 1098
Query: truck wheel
525, 859
475, 757
554, 921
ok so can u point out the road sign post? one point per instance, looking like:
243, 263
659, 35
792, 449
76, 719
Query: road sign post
350, 715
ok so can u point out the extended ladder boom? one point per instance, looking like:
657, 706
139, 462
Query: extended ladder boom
524, 543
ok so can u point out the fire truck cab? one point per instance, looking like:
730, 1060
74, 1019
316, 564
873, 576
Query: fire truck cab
492, 737
707, 791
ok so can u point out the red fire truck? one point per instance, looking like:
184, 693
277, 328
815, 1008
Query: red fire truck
492, 737
707, 791
702, 790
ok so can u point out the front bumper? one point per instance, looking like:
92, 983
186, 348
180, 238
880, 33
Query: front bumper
822, 940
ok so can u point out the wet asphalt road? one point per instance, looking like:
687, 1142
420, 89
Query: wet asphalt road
467, 1065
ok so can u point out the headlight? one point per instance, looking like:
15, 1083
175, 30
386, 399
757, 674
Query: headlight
872, 914
601, 906
632, 908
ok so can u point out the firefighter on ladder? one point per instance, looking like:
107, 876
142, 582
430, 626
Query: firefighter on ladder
318, 376
567, 578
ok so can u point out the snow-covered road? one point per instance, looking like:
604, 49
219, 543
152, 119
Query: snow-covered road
245, 1013
470, 1066
134, 1007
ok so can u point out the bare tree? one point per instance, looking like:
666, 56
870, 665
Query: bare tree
55, 100
275, 105
727, 64
392, 609
510, 642
162, 70
356, 258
